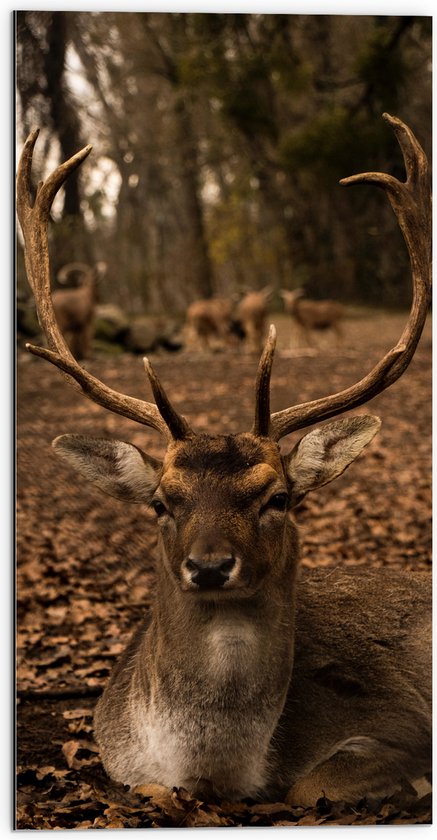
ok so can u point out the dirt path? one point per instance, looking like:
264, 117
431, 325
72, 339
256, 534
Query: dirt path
85, 561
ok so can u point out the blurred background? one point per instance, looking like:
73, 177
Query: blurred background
218, 143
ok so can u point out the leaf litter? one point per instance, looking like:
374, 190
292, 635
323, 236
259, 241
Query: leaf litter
85, 568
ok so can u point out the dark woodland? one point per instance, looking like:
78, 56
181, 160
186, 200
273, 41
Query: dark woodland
218, 144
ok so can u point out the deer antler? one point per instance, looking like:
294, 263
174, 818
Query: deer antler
411, 202
34, 221
261, 426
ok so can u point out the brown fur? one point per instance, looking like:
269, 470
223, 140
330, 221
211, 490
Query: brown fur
251, 311
313, 316
208, 324
75, 307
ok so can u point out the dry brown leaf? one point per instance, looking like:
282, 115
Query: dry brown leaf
71, 748
270, 808
183, 799
160, 796
204, 817
285, 822
72, 714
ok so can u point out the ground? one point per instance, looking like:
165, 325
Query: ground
85, 561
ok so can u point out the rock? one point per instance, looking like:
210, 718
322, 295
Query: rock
111, 322
143, 334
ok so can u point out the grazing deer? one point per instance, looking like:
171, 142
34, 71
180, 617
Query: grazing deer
251, 313
313, 316
249, 679
75, 307
209, 324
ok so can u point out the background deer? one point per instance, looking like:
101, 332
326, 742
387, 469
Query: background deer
75, 307
313, 316
251, 313
209, 323
218, 322
249, 679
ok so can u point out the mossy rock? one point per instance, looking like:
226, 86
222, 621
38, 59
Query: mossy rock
27, 321
143, 334
111, 323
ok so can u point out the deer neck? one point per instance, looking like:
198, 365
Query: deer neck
232, 641
216, 681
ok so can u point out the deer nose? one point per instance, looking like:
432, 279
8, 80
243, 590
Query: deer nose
210, 573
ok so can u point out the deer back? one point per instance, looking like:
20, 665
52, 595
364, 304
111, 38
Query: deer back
363, 662
318, 314
253, 307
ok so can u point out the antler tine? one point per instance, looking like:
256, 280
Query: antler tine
411, 203
178, 426
261, 425
34, 221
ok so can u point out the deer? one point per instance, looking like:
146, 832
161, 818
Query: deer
250, 677
312, 316
209, 324
251, 313
75, 306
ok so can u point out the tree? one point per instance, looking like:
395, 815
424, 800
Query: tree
219, 140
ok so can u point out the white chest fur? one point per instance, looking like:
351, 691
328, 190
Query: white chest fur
224, 744
232, 648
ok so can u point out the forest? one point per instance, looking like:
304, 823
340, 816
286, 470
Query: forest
218, 144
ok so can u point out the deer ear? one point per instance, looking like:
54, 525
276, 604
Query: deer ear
324, 453
116, 467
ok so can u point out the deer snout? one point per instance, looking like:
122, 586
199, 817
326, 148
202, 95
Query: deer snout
210, 563
210, 572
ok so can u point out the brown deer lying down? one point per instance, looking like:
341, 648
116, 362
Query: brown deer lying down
248, 678
313, 316
75, 307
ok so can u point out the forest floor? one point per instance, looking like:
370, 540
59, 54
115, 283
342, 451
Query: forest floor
85, 562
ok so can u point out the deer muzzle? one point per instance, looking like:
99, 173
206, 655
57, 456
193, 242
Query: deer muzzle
212, 563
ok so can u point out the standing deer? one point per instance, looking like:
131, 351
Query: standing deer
75, 307
312, 316
248, 678
209, 323
251, 313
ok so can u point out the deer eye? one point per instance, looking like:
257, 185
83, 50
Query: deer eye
277, 502
159, 507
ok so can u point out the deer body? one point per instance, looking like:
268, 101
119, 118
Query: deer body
249, 680
208, 323
211, 323
313, 315
251, 312
222, 725
75, 307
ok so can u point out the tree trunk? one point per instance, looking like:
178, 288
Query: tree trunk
65, 120
197, 247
